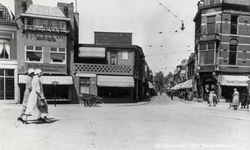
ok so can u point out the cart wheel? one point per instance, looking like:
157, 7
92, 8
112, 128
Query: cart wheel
235, 107
85, 103
92, 101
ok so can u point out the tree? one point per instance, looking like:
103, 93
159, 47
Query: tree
159, 81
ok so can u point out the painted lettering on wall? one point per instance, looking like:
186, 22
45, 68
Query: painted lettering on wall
48, 68
207, 67
235, 82
45, 38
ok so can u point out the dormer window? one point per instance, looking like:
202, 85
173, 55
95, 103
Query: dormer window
29, 21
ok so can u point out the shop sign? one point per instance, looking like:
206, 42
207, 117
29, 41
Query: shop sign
207, 68
45, 38
48, 68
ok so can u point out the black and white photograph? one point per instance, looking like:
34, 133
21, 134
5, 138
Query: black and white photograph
124, 74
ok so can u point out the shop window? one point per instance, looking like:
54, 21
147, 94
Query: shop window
34, 53
210, 24
7, 84
4, 50
85, 85
113, 92
61, 92
114, 57
58, 55
234, 24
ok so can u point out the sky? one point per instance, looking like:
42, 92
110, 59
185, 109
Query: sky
154, 24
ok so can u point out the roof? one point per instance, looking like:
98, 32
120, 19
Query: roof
44, 12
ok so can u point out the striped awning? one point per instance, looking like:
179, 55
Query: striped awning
187, 84
93, 52
115, 81
61, 80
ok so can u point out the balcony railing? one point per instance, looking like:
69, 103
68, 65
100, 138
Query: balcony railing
103, 69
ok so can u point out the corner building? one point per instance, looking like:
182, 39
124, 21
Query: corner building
45, 40
222, 35
112, 68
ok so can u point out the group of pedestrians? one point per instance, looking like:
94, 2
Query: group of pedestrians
211, 97
237, 99
240, 99
34, 102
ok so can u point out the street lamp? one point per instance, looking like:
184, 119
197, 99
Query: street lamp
55, 83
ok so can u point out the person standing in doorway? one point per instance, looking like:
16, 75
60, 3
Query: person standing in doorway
27, 91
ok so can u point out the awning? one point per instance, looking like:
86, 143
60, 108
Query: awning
150, 85
93, 52
62, 80
115, 81
187, 84
233, 80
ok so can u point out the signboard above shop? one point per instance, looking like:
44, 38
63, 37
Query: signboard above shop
229, 80
48, 68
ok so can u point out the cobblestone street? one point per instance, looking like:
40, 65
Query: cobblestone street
159, 124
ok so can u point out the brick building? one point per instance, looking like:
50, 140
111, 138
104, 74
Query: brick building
45, 40
112, 68
8, 57
222, 35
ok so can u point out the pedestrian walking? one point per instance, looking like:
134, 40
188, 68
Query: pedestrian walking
206, 95
215, 99
235, 99
41, 101
244, 99
28, 88
172, 95
211, 97
36, 98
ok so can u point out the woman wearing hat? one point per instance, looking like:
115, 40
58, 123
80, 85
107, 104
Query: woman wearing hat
33, 101
26, 94
41, 101
235, 99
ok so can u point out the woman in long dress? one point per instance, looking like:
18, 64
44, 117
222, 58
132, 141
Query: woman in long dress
235, 98
27, 91
210, 98
32, 108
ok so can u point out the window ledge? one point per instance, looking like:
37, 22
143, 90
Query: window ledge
232, 35
233, 67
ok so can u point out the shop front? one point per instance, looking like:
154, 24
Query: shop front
116, 89
55, 87
229, 82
